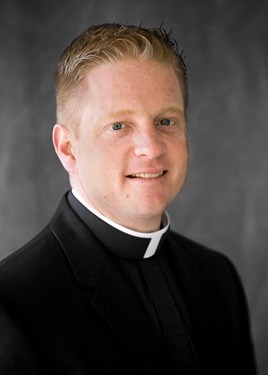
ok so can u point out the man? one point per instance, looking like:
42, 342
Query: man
107, 287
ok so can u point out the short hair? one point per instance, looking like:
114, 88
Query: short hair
108, 43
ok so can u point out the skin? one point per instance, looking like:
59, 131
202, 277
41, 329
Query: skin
129, 157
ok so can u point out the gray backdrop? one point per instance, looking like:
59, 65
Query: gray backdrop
224, 202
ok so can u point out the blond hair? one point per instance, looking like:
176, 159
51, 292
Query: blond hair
108, 43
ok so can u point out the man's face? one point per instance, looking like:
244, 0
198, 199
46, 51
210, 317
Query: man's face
131, 152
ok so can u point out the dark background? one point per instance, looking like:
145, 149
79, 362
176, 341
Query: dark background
224, 202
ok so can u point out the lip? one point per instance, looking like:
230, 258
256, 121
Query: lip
147, 175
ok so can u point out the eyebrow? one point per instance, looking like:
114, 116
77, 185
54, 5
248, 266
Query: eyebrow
114, 114
175, 109
124, 112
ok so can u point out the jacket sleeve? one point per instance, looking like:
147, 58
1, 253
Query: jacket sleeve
245, 324
17, 353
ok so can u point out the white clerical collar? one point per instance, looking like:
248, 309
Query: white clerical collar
154, 237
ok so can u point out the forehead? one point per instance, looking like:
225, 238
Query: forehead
131, 79
131, 65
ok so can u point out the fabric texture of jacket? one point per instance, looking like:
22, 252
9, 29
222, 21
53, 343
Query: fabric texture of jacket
65, 310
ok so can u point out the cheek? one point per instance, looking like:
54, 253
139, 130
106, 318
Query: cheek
98, 162
86, 159
180, 149
180, 158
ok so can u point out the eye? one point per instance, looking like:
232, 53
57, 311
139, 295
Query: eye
117, 126
166, 122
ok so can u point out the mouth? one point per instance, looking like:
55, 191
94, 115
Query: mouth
146, 175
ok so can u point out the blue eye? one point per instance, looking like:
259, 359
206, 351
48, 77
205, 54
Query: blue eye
165, 122
117, 126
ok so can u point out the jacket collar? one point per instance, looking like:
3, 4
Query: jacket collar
82, 249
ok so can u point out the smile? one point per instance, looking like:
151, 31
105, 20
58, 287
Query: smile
146, 175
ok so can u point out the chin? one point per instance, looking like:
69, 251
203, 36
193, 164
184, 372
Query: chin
151, 212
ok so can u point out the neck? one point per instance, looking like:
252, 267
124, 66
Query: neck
142, 225
140, 228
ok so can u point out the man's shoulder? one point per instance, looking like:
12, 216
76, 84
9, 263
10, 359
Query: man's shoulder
31, 263
193, 247
201, 259
30, 251
38, 251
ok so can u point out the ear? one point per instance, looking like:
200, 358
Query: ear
62, 140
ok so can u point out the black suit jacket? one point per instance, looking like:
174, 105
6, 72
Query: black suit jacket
65, 310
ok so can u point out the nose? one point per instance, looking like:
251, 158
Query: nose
148, 142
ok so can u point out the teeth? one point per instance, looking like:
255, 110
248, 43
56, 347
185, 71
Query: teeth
147, 175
